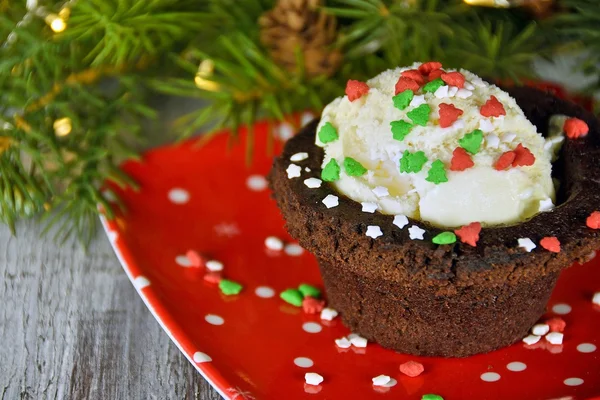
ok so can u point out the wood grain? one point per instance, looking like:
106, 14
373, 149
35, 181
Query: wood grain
73, 327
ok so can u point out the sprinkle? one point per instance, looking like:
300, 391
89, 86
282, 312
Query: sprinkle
470, 86
381, 191
546, 205
593, 221
330, 201
448, 114
358, 341
353, 167
369, 207
432, 397
328, 314
523, 157
461, 160
307, 169
313, 183
381, 380
469, 234
485, 125
403, 99
531, 339
331, 172
230, 288
328, 133
596, 298
556, 324
420, 115
415, 75
434, 85
452, 91
437, 173
312, 378
293, 171
412, 162
540, 329
444, 238
441, 92
508, 137
343, 343
195, 259
471, 142
374, 231
309, 290
505, 160
427, 67
551, 244
274, 243
356, 89
400, 221
454, 79
575, 128
412, 368
526, 194
292, 296
492, 108
417, 101
416, 233
214, 265
310, 305
299, 157
435, 74
400, 129
213, 277
464, 93
527, 244
492, 141
555, 337
406, 84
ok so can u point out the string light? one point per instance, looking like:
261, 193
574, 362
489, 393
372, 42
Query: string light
62, 126
56, 23
205, 70
491, 3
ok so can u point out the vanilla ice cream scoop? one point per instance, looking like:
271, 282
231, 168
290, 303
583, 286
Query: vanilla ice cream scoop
442, 146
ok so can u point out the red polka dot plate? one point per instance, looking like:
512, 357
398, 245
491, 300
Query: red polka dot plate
255, 346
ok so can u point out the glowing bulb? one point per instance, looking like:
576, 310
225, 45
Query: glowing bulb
205, 70
57, 24
490, 3
62, 126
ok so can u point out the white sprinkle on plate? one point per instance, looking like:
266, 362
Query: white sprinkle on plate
313, 183
328, 314
293, 171
343, 343
531, 339
555, 337
214, 265
527, 244
312, 378
373, 231
299, 157
416, 233
381, 380
274, 243
331, 201
400, 221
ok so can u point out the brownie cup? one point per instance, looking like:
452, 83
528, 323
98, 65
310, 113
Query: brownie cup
455, 300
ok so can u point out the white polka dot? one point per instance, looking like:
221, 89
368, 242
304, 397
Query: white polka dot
561, 309
303, 362
264, 291
141, 282
200, 357
312, 327
586, 348
516, 366
490, 377
573, 381
183, 261
293, 249
391, 383
214, 319
256, 183
179, 196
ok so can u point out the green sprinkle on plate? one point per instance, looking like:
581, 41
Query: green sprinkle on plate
292, 296
229, 288
309, 290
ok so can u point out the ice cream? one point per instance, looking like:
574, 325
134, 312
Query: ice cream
386, 147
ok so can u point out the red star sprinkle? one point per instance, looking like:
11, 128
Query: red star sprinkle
461, 160
575, 128
593, 221
356, 89
195, 259
415, 75
448, 114
556, 324
412, 368
406, 83
505, 160
454, 79
310, 305
427, 67
469, 234
436, 73
551, 244
213, 277
492, 108
523, 157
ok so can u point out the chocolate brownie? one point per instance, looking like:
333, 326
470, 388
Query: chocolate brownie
450, 300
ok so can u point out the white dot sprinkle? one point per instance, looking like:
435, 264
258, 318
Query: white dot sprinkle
586, 348
331, 201
306, 118
540, 329
508, 137
381, 191
527, 244
179, 196
274, 243
573, 381
381, 380
264, 292
214, 265
312, 378
358, 341
312, 327
256, 183
442, 92
531, 339
141, 282
561, 309
307, 169
490, 377
299, 157
464, 93
293, 250
285, 131
313, 183
343, 343
391, 383
369, 207
554, 337
183, 261
373, 231
416, 233
492, 141
293, 171
516, 366
452, 91
596, 298
417, 100
485, 125
214, 319
546, 205
400, 221
200, 357
303, 362
469, 86
328, 314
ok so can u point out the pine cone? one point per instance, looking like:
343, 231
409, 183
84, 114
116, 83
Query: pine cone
298, 25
